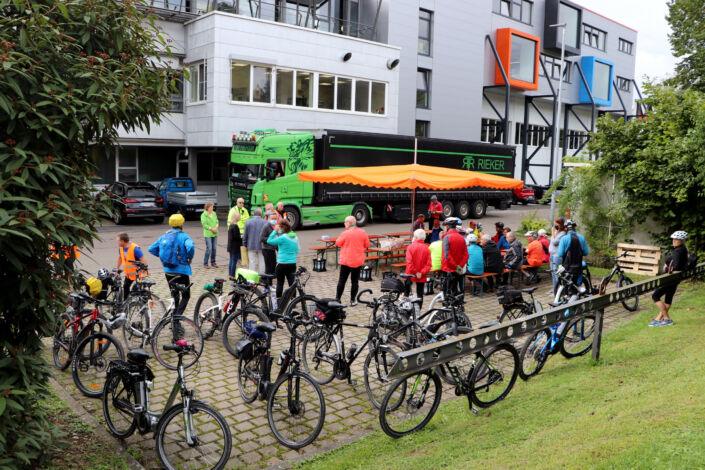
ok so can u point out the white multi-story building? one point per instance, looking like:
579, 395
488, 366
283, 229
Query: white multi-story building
425, 67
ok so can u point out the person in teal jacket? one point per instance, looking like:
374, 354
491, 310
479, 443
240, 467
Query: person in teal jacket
288, 248
476, 262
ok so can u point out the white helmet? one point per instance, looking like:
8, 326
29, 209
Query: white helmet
452, 222
472, 238
679, 235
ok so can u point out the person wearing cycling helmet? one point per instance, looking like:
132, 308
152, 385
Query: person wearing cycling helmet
454, 257
676, 260
175, 250
572, 248
128, 253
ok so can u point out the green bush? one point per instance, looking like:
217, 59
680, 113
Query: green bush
532, 222
72, 72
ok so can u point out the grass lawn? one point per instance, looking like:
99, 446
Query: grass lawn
641, 406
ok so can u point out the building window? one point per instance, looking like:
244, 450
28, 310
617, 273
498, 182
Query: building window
624, 84
520, 10
425, 29
491, 130
601, 81
522, 59
176, 100
569, 16
127, 163
261, 84
362, 96
553, 67
212, 167
239, 81
625, 46
422, 128
378, 98
343, 94
199, 82
423, 88
304, 89
285, 87
326, 91
535, 135
594, 37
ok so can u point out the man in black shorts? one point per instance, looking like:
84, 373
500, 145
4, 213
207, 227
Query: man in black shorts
677, 260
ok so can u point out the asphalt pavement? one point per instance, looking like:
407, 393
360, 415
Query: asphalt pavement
144, 233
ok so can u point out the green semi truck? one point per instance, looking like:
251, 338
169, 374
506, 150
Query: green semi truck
264, 166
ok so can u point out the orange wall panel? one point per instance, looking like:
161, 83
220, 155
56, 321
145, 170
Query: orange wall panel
503, 43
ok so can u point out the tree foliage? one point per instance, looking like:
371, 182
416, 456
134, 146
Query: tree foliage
71, 72
687, 21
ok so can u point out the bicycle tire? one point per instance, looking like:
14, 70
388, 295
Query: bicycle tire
375, 377
483, 376
631, 303
135, 331
320, 346
189, 331
219, 448
294, 408
534, 347
585, 336
63, 342
248, 370
207, 317
410, 402
118, 389
91, 384
464, 364
300, 308
514, 311
232, 329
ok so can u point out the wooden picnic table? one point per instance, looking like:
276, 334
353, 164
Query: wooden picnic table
398, 234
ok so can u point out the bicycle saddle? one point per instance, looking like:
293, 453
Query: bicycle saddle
266, 277
138, 356
147, 283
406, 276
529, 290
488, 324
219, 280
179, 287
265, 327
329, 304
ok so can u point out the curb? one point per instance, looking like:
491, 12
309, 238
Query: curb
88, 419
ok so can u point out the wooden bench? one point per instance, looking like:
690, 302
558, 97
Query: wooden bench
481, 278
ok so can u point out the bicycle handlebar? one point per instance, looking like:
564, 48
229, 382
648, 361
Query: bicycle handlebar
364, 302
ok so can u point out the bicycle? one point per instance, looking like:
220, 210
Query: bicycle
296, 408
630, 303
514, 305
189, 434
262, 305
170, 328
491, 376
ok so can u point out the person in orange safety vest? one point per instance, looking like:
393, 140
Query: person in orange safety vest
127, 253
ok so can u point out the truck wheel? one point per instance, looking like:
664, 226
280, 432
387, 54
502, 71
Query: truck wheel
478, 209
463, 209
361, 214
293, 216
448, 209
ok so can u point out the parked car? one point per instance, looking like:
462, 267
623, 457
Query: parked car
180, 195
135, 200
523, 195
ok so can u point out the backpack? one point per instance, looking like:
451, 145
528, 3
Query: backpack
692, 261
171, 250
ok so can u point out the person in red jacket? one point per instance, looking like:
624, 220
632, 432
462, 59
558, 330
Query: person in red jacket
418, 262
454, 259
435, 211
354, 244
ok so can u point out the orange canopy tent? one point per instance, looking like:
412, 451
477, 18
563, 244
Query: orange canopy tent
412, 176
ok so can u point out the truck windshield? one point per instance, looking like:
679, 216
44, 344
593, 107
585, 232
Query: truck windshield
242, 172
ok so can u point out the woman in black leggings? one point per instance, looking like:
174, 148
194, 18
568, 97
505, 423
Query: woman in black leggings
288, 248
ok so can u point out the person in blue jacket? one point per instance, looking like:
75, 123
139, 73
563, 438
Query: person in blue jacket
571, 250
288, 248
476, 262
175, 250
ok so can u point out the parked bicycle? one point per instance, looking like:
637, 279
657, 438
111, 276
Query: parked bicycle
188, 434
513, 304
296, 408
630, 303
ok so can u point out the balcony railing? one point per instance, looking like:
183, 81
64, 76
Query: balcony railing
313, 14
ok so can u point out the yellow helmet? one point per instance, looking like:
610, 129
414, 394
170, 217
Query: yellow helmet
94, 286
176, 220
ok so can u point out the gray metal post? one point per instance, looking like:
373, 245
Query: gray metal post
558, 163
524, 143
597, 337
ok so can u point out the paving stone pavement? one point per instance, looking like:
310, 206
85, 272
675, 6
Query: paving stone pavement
349, 415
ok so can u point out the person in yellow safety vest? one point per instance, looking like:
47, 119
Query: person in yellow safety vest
127, 253
436, 249
244, 215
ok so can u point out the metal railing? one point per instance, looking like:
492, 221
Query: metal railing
435, 354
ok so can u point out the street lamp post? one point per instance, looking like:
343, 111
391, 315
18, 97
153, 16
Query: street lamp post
558, 160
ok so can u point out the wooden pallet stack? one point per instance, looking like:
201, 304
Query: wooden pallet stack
640, 259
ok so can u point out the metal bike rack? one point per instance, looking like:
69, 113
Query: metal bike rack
434, 354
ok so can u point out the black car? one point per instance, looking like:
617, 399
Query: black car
135, 200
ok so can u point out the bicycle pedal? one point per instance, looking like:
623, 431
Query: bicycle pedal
474, 410
353, 384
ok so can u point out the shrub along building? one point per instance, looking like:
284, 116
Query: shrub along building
425, 67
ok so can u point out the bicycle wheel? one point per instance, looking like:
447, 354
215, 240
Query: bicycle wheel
464, 364
301, 308
211, 441
232, 327
136, 327
62, 342
630, 303
118, 406
494, 375
319, 353
534, 353
296, 410
376, 369
577, 336
206, 314
420, 401
514, 311
170, 329
91, 360
248, 375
